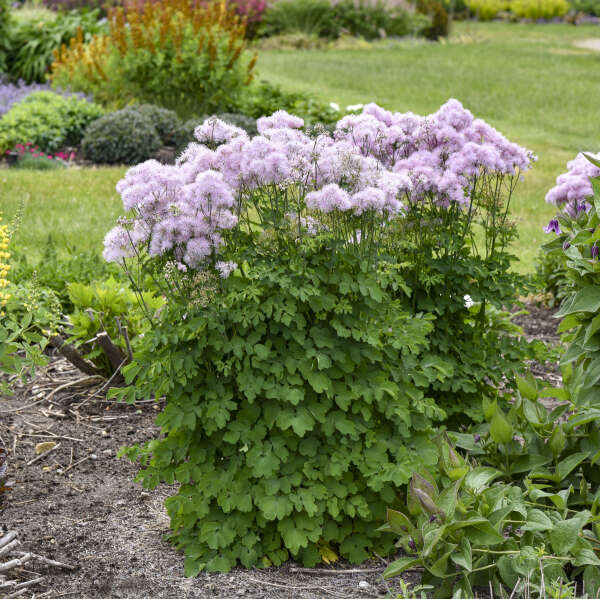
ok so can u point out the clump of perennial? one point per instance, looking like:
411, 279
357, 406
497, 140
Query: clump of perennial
572, 190
350, 184
4, 265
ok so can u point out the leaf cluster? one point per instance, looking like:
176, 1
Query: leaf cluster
296, 409
526, 506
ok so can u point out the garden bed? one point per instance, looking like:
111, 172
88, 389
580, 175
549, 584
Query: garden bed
80, 506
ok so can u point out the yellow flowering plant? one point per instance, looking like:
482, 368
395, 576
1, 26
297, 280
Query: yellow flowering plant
21, 345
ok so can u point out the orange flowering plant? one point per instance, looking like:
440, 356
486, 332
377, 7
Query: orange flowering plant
186, 55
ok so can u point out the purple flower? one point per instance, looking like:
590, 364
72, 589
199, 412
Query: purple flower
595, 251
566, 245
476, 438
412, 544
553, 226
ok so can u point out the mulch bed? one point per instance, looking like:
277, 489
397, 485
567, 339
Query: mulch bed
78, 505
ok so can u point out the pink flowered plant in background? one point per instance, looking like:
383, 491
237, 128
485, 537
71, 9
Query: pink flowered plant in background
572, 190
354, 184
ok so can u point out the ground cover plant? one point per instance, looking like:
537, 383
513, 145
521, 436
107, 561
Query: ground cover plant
303, 292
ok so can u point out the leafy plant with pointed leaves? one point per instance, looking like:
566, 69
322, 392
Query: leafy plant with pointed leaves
296, 410
468, 528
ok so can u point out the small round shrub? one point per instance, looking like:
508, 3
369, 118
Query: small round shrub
47, 120
165, 121
121, 137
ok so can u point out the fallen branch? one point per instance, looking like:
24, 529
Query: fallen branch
114, 354
325, 571
7, 538
22, 586
47, 561
15, 563
8, 548
43, 455
13, 584
71, 353
77, 463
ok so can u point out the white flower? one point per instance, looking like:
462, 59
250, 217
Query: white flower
353, 107
468, 301
334, 106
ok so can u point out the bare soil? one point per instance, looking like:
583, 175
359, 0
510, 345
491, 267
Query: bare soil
79, 505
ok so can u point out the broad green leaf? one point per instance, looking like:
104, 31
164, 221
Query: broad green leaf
564, 468
463, 556
564, 535
537, 520
480, 477
400, 565
585, 300
500, 428
527, 388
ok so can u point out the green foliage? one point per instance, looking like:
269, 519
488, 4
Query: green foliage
55, 271
108, 306
5, 24
266, 98
38, 163
166, 122
591, 7
295, 411
47, 120
486, 10
524, 9
31, 43
526, 506
122, 137
534, 9
326, 20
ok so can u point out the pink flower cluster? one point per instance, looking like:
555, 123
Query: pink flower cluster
375, 162
443, 154
573, 187
34, 152
176, 209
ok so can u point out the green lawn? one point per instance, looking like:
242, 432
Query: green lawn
529, 81
77, 206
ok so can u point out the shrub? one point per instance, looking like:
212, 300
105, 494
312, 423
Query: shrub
579, 247
31, 44
108, 306
591, 7
321, 18
525, 9
166, 122
296, 350
536, 9
47, 120
173, 54
440, 23
486, 10
121, 137
55, 271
